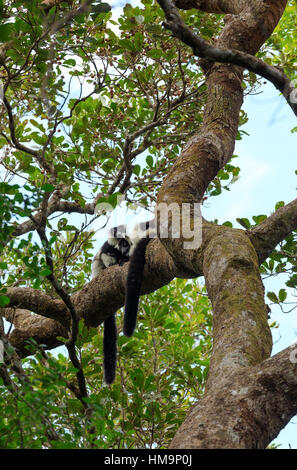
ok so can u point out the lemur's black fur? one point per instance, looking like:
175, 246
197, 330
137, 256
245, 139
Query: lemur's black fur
110, 339
140, 238
114, 251
119, 248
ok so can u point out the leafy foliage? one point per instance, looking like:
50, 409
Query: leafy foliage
283, 41
161, 371
95, 108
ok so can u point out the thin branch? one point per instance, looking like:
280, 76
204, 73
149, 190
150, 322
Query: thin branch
54, 206
41, 160
70, 344
15, 141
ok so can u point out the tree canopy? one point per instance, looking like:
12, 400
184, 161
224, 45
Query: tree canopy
143, 108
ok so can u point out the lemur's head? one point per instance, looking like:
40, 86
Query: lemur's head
119, 239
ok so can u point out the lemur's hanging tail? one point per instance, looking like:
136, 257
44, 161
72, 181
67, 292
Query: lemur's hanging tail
133, 286
110, 348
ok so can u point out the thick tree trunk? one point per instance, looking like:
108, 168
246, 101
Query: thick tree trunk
235, 411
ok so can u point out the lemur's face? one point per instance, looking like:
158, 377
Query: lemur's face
124, 246
119, 239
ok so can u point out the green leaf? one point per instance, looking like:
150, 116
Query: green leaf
21, 25
292, 282
71, 62
138, 41
155, 53
244, 222
48, 188
282, 295
150, 161
228, 224
259, 218
272, 296
4, 300
279, 204
45, 272
136, 169
138, 377
127, 44
6, 32
100, 8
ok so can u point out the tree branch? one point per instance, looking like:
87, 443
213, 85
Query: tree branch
94, 302
267, 235
18, 370
55, 205
260, 402
212, 6
71, 343
38, 302
203, 49
43, 331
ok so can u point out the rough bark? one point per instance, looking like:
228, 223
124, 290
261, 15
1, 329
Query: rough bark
274, 229
27, 326
212, 6
244, 410
210, 149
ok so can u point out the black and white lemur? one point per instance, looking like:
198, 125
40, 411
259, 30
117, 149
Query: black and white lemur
114, 251
120, 247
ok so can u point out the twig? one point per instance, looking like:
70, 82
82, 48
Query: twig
70, 344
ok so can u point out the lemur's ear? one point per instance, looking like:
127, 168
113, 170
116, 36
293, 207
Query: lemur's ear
118, 232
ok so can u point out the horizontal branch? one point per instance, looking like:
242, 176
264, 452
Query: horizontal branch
97, 299
43, 331
95, 302
38, 302
57, 206
267, 235
212, 6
